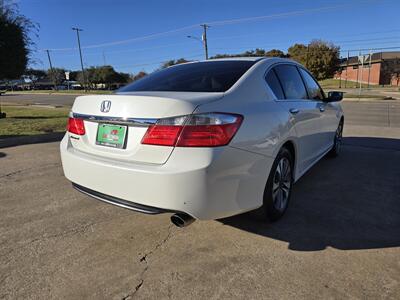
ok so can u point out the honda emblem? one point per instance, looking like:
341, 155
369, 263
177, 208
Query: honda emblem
105, 106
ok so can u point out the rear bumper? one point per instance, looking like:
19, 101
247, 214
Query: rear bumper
120, 202
206, 183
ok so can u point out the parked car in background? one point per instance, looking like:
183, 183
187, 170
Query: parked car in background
203, 140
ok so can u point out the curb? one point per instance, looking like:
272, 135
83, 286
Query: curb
30, 139
369, 100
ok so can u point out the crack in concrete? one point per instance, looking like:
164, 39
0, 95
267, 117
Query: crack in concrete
13, 173
129, 296
143, 259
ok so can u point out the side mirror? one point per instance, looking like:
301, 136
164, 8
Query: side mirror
334, 96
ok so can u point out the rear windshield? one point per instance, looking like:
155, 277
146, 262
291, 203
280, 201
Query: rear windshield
214, 76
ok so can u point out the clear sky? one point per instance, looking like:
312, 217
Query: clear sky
113, 28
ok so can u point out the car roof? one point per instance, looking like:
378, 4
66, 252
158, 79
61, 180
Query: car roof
265, 59
248, 58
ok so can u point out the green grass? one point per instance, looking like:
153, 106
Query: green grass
365, 96
73, 92
336, 83
30, 120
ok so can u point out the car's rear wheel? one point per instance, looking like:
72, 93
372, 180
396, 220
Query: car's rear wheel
337, 142
279, 186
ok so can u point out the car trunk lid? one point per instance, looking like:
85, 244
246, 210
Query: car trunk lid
132, 113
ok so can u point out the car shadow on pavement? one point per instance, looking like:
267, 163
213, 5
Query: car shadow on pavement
2, 154
350, 202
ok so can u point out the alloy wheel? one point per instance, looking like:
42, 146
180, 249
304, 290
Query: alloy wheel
281, 185
338, 137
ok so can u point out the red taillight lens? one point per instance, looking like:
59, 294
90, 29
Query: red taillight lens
202, 130
76, 126
207, 135
163, 135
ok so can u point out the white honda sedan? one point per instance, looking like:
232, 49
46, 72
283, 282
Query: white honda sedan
203, 140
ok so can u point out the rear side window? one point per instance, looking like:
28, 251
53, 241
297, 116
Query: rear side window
314, 91
291, 81
211, 76
274, 84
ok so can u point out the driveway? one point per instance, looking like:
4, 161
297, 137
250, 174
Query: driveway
339, 239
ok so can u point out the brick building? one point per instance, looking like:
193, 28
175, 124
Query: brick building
382, 68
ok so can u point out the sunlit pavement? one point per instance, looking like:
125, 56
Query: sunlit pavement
340, 237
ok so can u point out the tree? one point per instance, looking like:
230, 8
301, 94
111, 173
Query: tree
319, 57
173, 62
248, 53
103, 75
122, 78
258, 52
275, 53
298, 52
56, 75
80, 79
253, 53
15, 43
139, 75
34, 75
73, 75
106, 75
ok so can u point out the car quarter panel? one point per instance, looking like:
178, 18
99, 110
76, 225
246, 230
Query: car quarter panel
266, 125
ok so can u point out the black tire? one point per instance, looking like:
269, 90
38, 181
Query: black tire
337, 141
272, 209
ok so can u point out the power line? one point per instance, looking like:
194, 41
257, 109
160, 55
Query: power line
371, 39
120, 42
278, 16
218, 23
229, 37
155, 62
360, 41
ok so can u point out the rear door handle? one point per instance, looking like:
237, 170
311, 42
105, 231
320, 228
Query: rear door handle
294, 111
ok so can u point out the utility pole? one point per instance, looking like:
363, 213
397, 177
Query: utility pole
347, 66
51, 69
205, 26
361, 79
369, 66
340, 78
80, 54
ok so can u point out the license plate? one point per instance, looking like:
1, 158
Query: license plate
111, 135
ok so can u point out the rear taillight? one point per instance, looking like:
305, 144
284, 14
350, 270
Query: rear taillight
76, 126
200, 130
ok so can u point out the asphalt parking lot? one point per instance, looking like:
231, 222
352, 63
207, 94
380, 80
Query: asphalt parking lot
384, 113
339, 239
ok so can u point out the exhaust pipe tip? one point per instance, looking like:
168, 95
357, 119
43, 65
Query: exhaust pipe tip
181, 220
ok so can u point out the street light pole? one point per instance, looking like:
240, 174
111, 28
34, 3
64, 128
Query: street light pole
80, 54
203, 39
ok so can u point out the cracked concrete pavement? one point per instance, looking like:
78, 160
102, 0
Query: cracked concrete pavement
339, 239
